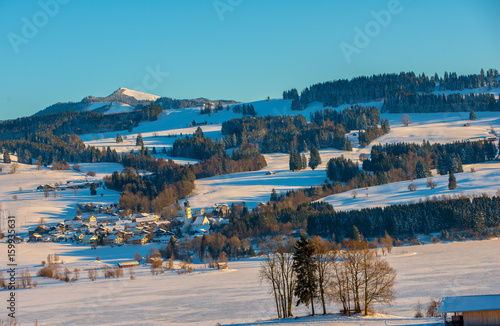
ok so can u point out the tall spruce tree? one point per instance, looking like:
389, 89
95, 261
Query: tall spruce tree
139, 141
304, 266
274, 195
420, 171
119, 138
295, 161
472, 115
452, 181
314, 158
356, 235
6, 157
93, 190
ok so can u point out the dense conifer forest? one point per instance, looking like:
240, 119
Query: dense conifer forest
401, 91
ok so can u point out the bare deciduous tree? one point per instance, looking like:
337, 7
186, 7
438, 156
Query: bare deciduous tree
325, 255
412, 186
92, 274
405, 120
277, 270
386, 242
360, 276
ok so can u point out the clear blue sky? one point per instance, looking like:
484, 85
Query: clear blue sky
259, 48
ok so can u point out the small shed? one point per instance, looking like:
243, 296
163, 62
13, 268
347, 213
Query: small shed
128, 264
472, 310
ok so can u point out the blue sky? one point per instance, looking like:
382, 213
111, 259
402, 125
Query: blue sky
228, 49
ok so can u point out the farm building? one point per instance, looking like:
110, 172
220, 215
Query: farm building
128, 264
472, 310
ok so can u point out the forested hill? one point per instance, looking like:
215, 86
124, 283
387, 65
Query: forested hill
129, 100
379, 87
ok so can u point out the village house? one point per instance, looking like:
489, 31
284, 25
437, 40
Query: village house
162, 239
58, 237
73, 223
84, 228
472, 310
41, 229
201, 221
138, 240
92, 220
35, 237
89, 239
113, 239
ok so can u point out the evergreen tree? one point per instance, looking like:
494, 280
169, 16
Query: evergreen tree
305, 271
314, 158
452, 181
295, 162
303, 161
119, 138
347, 145
420, 171
93, 190
274, 195
472, 115
356, 236
6, 157
251, 251
441, 165
139, 141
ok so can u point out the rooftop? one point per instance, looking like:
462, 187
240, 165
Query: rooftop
470, 303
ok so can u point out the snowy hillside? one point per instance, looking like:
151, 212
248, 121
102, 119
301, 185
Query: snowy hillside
110, 107
19, 197
255, 187
434, 127
208, 297
486, 179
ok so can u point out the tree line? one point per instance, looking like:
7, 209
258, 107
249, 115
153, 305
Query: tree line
402, 102
377, 87
430, 216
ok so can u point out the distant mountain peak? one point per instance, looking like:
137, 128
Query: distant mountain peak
138, 95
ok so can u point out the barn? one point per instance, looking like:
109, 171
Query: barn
471, 310
128, 264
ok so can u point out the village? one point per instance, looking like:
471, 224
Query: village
98, 224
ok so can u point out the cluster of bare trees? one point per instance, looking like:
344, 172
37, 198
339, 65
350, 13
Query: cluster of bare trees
23, 281
350, 274
277, 269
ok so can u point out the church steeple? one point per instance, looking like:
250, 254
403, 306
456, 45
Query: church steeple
187, 215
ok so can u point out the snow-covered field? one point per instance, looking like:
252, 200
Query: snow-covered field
486, 179
29, 205
207, 297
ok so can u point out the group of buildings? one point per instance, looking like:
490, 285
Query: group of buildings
108, 225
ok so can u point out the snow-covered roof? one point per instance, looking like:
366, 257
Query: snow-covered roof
200, 220
470, 303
